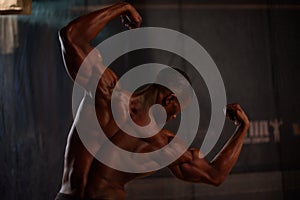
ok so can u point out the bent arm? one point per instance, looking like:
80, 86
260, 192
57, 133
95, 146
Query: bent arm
216, 171
75, 40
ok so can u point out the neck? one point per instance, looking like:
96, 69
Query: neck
140, 103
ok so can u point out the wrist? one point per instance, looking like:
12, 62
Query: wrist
123, 6
244, 125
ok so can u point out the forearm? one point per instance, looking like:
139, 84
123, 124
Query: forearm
85, 28
215, 172
75, 41
227, 157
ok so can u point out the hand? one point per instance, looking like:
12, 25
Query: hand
131, 18
236, 114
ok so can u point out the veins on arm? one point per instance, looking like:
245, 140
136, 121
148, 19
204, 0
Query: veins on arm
198, 169
75, 41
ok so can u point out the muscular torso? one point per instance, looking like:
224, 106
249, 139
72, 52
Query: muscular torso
85, 176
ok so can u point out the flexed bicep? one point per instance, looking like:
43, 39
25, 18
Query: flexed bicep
82, 62
198, 169
216, 171
75, 39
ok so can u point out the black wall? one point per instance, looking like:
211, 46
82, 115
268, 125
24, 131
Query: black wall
255, 45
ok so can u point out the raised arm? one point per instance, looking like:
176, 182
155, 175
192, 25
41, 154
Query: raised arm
215, 172
75, 39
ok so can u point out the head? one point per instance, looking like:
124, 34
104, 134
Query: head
176, 86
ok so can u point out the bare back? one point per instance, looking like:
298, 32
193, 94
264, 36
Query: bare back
84, 175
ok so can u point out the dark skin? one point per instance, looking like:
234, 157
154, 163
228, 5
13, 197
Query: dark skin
86, 177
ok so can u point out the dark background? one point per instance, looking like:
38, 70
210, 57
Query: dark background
255, 45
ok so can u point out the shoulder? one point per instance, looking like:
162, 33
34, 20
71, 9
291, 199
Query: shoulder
107, 83
168, 134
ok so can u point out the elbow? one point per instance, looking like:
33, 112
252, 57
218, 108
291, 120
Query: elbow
212, 179
65, 34
69, 36
72, 34
69, 33
217, 179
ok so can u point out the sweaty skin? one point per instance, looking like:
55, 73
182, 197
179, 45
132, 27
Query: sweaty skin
86, 177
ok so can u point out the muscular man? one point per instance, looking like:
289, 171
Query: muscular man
84, 177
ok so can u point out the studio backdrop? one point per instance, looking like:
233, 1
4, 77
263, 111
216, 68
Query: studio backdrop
254, 43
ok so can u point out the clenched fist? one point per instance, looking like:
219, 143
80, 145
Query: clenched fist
131, 18
236, 114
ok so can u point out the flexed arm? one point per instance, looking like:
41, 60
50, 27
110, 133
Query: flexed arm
75, 40
215, 172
